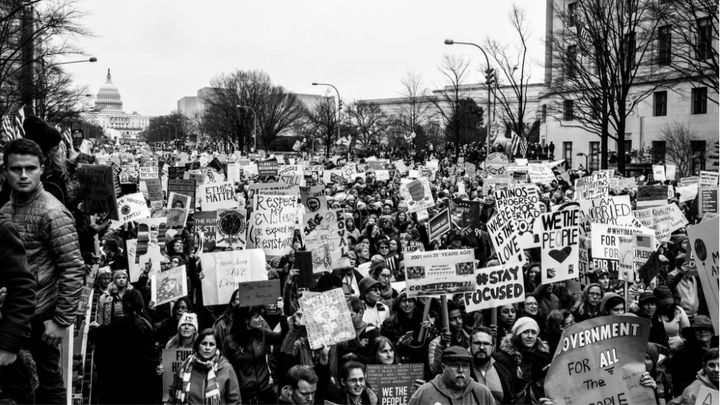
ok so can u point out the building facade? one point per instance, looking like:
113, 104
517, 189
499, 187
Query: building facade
109, 114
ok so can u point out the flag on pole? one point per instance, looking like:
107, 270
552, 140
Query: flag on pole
12, 125
518, 144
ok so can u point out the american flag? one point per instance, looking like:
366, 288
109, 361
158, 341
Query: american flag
12, 125
518, 144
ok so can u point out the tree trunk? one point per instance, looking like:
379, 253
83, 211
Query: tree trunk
621, 147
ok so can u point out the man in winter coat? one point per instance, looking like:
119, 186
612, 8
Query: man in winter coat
47, 230
454, 386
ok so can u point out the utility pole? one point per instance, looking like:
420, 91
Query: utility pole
27, 56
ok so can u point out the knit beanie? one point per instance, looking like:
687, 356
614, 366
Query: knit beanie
663, 295
523, 324
43, 134
117, 273
188, 318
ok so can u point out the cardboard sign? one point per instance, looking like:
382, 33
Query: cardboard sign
658, 172
496, 163
149, 172
264, 292
708, 200
521, 202
176, 217
129, 174
233, 172
439, 225
615, 210
505, 238
606, 240
176, 172
705, 244
176, 200
394, 383
184, 187
440, 272
224, 271
172, 359
132, 207
98, 190
417, 195
168, 285
327, 318
709, 179
650, 196
267, 168
134, 268
666, 220
205, 230
154, 190
540, 173
216, 196
496, 286
559, 243
601, 360
151, 240
465, 216
324, 235
273, 224
596, 185
313, 198
231, 228
670, 172
644, 246
687, 192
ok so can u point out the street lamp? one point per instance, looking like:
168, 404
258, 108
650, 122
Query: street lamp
174, 126
489, 73
587, 156
254, 118
91, 60
338, 113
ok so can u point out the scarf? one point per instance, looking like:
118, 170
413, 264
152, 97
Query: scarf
212, 389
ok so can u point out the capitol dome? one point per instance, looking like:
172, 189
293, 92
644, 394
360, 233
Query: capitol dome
108, 97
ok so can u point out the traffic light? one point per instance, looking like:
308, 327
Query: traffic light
489, 75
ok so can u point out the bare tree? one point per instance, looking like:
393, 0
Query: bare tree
56, 99
601, 62
369, 120
688, 38
679, 138
514, 72
415, 111
32, 34
321, 122
448, 102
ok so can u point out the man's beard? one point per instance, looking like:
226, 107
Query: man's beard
481, 362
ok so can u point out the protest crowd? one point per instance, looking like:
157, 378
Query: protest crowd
193, 276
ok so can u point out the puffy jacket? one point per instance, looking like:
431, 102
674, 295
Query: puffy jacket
47, 230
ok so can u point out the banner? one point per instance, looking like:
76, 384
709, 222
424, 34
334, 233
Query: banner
231, 228
540, 173
705, 243
216, 196
601, 361
559, 244
265, 292
394, 384
465, 217
224, 271
98, 190
439, 225
313, 198
172, 359
522, 202
709, 178
417, 195
440, 272
132, 207
327, 318
496, 286
168, 285
274, 224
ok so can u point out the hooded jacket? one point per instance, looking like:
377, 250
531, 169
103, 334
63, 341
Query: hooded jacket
528, 367
689, 395
47, 230
436, 392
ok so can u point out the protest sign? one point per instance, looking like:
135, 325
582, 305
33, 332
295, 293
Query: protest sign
172, 359
216, 196
583, 260
151, 240
465, 216
176, 217
417, 195
394, 384
601, 361
168, 285
324, 235
134, 268
154, 190
204, 230
596, 185
382, 175
272, 189
658, 173
132, 207
496, 286
176, 200
327, 318
440, 272
606, 240
687, 192
496, 163
709, 179
643, 247
98, 190
184, 187
614, 210
129, 173
670, 172
540, 173
149, 172
505, 238
666, 220
231, 228
176, 172
706, 396
705, 243
650, 196
559, 244
224, 271
274, 224
313, 198
233, 173
439, 225
522, 202
267, 168
708, 200
263, 292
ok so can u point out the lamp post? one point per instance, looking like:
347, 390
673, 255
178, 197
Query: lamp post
489, 73
254, 135
175, 127
586, 158
338, 114
91, 60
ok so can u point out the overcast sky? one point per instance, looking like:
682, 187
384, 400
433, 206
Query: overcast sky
162, 50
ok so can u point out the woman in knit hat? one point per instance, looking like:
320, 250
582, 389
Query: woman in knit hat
187, 332
673, 316
527, 357
648, 310
612, 304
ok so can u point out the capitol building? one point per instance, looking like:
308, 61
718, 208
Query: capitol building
109, 114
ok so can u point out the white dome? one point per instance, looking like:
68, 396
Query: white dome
108, 97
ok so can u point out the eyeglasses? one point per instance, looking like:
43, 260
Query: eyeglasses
356, 381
